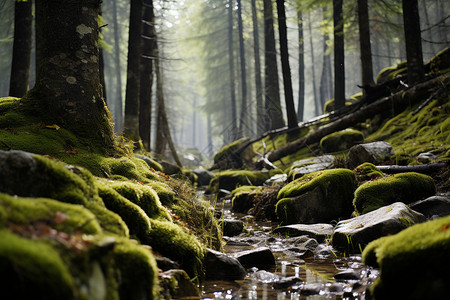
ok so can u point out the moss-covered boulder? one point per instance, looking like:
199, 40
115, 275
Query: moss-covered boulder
243, 198
318, 197
374, 153
341, 140
413, 263
309, 165
404, 187
228, 158
367, 171
230, 179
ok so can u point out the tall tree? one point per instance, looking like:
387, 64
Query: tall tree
316, 100
118, 113
272, 88
339, 55
20, 66
364, 43
301, 68
243, 126
413, 41
131, 125
326, 79
68, 90
231, 70
286, 69
146, 72
258, 81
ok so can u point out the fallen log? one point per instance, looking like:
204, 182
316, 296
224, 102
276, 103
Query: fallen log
424, 169
396, 102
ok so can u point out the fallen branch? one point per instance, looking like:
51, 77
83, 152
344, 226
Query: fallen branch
425, 169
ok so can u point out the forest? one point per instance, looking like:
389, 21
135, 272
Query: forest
218, 149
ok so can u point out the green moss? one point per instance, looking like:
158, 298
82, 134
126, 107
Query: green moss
413, 263
231, 179
404, 187
329, 105
33, 270
367, 171
242, 198
341, 140
228, 149
165, 193
64, 217
131, 168
269, 143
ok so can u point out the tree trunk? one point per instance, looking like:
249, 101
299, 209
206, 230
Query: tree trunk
413, 41
301, 68
231, 70
326, 78
243, 125
364, 43
68, 90
287, 80
339, 55
118, 113
272, 89
20, 66
146, 73
131, 125
258, 82
316, 100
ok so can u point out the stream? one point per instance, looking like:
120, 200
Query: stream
318, 272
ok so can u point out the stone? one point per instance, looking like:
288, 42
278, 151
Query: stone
15, 167
286, 282
264, 276
261, 258
433, 207
232, 227
276, 179
354, 234
309, 165
222, 267
426, 157
317, 231
341, 140
203, 176
165, 263
374, 153
184, 286
170, 168
348, 274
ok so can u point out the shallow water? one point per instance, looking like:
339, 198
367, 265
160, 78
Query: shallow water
316, 272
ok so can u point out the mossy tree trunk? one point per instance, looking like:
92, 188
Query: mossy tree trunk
20, 66
301, 67
68, 91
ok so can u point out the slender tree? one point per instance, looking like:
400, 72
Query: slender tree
316, 100
272, 89
131, 125
286, 69
258, 81
68, 90
118, 113
20, 66
301, 68
231, 70
243, 125
413, 41
364, 43
339, 60
146, 72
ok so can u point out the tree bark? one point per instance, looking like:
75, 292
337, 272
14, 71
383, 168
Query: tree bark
118, 113
286, 69
243, 125
258, 82
425, 168
398, 102
68, 90
272, 89
339, 55
131, 125
146, 73
413, 41
316, 100
364, 43
234, 128
301, 68
21, 56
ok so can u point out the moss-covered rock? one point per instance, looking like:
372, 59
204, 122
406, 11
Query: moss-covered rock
367, 171
390, 73
413, 263
329, 105
404, 187
227, 158
243, 198
341, 140
230, 179
317, 197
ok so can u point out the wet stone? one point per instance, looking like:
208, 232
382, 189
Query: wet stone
221, 266
232, 227
286, 282
432, 207
317, 231
262, 258
349, 274
165, 263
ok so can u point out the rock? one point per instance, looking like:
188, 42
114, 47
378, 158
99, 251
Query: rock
403, 187
348, 274
183, 287
286, 282
374, 153
426, 157
318, 197
150, 162
170, 168
276, 179
317, 231
264, 276
413, 263
432, 207
302, 252
203, 176
261, 258
243, 197
231, 179
15, 167
309, 165
222, 267
232, 227
367, 171
354, 234
341, 140
165, 263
